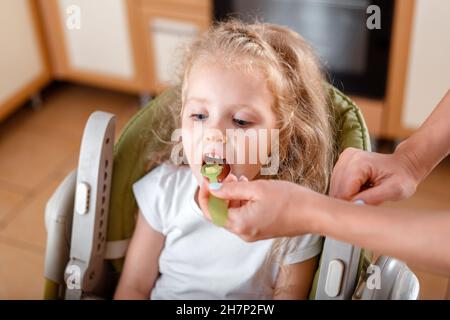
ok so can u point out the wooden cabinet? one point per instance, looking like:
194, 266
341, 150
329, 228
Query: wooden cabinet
167, 27
100, 49
122, 44
23, 64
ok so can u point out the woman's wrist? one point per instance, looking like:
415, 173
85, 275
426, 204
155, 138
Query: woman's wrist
429, 144
409, 156
314, 208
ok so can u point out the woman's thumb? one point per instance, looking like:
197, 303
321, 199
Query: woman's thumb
236, 190
374, 195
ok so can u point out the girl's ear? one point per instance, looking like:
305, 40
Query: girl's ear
185, 159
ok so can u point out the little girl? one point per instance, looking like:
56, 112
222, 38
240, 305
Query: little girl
236, 76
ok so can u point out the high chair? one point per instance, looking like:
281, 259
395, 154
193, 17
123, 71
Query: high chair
91, 216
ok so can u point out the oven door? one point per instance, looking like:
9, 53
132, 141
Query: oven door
354, 57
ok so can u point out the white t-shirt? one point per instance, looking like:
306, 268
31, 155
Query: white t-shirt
200, 260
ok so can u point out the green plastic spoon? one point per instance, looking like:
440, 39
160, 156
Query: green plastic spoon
217, 207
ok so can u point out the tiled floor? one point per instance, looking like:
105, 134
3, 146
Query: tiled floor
39, 147
37, 150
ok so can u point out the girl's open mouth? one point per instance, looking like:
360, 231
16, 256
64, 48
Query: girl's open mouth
213, 159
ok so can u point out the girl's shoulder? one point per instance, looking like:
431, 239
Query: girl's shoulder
162, 192
166, 175
165, 168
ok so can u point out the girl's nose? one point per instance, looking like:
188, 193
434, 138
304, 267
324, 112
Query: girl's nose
215, 138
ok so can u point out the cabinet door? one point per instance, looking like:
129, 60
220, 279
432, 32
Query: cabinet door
23, 67
167, 34
92, 42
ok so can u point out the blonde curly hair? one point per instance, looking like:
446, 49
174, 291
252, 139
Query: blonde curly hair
294, 76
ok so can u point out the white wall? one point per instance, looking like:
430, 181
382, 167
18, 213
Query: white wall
428, 77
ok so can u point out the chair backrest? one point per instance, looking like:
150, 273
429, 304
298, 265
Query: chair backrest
341, 264
131, 150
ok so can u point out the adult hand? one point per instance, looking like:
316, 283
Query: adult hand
373, 177
262, 209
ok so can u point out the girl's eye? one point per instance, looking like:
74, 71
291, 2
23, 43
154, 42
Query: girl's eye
241, 123
199, 116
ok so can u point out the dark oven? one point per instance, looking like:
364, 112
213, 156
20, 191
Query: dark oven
354, 57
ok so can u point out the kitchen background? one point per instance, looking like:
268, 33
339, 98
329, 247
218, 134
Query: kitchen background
60, 60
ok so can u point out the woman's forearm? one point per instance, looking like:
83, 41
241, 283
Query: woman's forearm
419, 238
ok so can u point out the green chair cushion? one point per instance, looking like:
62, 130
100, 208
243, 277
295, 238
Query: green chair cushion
351, 131
130, 160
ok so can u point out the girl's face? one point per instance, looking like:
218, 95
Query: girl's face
219, 98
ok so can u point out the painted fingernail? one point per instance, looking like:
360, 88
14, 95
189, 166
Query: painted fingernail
359, 202
215, 186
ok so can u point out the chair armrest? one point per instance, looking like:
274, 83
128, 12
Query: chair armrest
390, 279
58, 223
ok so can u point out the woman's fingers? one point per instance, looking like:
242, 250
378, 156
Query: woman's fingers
240, 190
351, 184
338, 170
203, 195
375, 195
350, 174
239, 203
239, 223
390, 189
232, 178
371, 177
